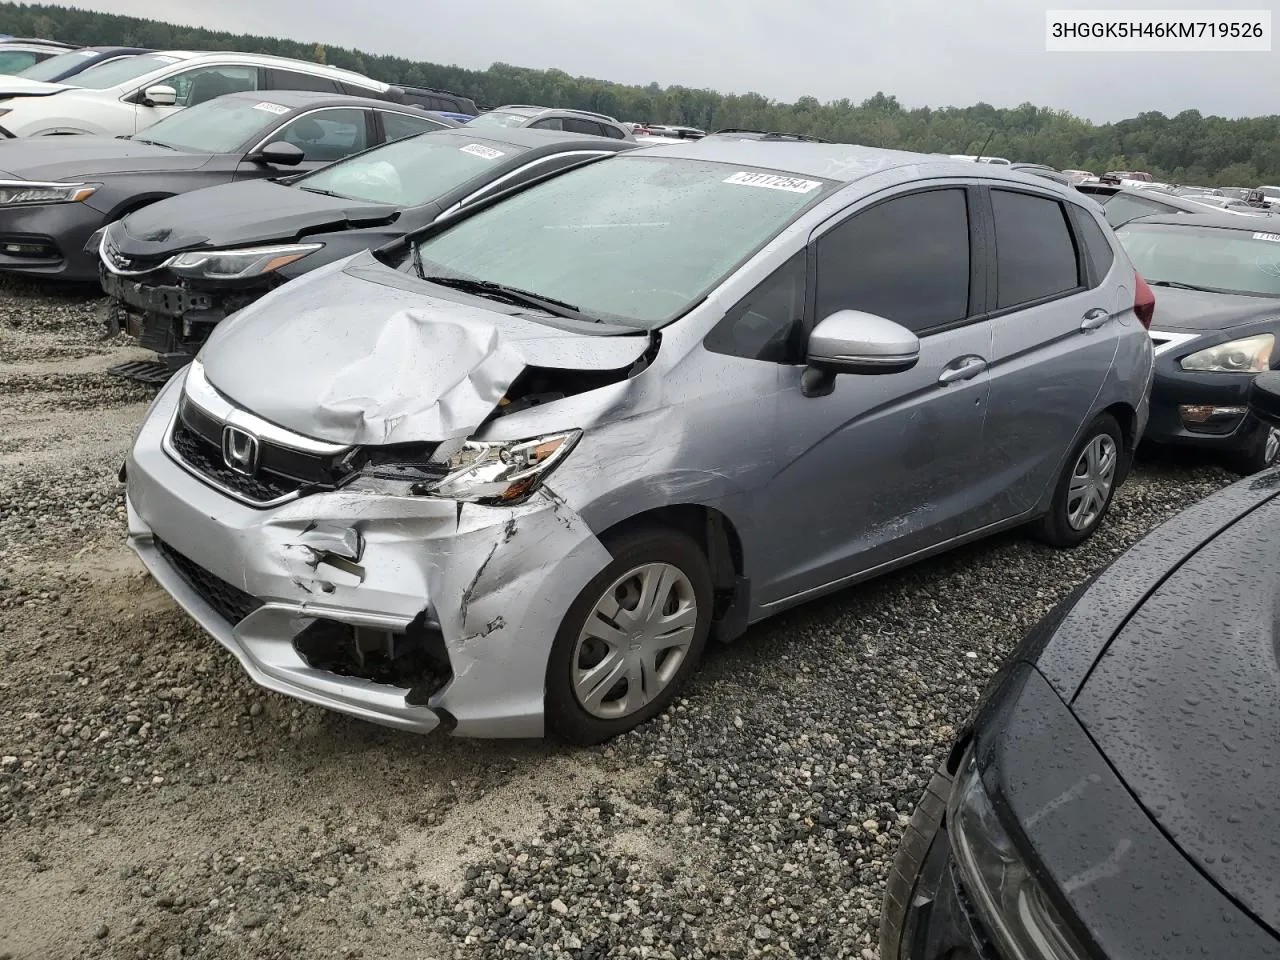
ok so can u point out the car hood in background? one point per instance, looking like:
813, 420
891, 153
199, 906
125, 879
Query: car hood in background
358, 353
239, 214
22, 87
1185, 704
1198, 311
85, 157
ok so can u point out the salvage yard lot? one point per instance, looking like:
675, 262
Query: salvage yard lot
156, 803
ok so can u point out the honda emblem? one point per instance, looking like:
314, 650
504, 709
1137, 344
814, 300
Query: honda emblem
240, 450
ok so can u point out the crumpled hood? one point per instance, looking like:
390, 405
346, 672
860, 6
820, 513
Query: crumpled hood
1196, 311
239, 214
1185, 704
358, 353
85, 157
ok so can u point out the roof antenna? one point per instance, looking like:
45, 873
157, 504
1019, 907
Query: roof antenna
978, 158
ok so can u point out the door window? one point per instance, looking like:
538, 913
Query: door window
397, 126
906, 259
1035, 255
551, 123
1097, 247
293, 80
326, 135
206, 83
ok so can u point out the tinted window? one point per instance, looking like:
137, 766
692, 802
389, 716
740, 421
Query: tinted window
1096, 246
760, 327
1035, 255
551, 123
15, 61
397, 126
1121, 208
574, 125
906, 259
291, 80
208, 83
611, 131
327, 135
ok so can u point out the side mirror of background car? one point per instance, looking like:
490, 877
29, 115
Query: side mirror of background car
850, 341
1264, 398
161, 95
279, 153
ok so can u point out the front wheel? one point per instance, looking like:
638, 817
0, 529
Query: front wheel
1264, 454
1086, 486
631, 638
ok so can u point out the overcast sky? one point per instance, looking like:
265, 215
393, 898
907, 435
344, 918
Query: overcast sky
925, 52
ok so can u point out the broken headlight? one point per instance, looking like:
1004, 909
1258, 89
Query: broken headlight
500, 471
239, 264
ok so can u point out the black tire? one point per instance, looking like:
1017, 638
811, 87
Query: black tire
566, 717
916, 841
1054, 528
1249, 462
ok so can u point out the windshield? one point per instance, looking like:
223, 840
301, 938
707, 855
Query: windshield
55, 67
1215, 258
215, 126
495, 119
410, 172
115, 72
634, 240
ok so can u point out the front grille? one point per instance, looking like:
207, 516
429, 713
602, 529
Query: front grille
230, 603
117, 262
282, 471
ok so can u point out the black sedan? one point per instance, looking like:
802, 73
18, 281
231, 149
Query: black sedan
1117, 794
55, 192
177, 268
1215, 327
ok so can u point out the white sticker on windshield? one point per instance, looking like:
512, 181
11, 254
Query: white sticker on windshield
1273, 237
772, 181
481, 151
270, 107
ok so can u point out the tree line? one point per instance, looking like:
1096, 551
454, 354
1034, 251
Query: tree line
1188, 148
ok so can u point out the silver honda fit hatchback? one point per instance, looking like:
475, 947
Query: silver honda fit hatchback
514, 475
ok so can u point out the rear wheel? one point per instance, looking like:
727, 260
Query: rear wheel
1086, 486
632, 637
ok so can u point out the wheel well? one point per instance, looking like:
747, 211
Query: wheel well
1127, 417
716, 535
134, 203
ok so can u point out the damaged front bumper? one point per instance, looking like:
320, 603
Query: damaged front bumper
476, 593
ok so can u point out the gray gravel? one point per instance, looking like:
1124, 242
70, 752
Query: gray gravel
158, 804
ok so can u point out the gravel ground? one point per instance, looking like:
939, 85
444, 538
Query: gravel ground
155, 803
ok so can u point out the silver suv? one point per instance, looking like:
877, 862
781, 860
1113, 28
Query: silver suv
553, 118
515, 473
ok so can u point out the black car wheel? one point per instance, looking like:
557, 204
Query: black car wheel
1086, 486
1264, 453
632, 637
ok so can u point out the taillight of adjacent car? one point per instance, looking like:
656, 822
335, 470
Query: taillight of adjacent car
1144, 301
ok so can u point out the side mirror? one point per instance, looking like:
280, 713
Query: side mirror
851, 341
161, 95
280, 153
1264, 398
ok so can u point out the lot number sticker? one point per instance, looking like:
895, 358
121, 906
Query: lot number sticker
771, 181
1273, 237
271, 107
481, 151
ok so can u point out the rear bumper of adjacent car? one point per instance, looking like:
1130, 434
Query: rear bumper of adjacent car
487, 587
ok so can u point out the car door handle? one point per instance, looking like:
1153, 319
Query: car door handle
1094, 319
966, 368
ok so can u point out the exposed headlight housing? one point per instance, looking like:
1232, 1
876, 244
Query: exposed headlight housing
493, 472
16, 192
1247, 355
1008, 896
238, 264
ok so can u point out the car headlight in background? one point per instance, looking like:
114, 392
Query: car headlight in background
1247, 355
495, 472
15, 192
238, 264
1008, 897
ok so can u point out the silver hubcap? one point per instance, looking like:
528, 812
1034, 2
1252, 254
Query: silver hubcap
1091, 481
634, 641
1272, 448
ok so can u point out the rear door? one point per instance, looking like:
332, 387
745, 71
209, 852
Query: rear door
1054, 334
884, 466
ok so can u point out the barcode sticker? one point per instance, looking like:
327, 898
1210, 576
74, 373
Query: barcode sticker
481, 151
271, 107
772, 181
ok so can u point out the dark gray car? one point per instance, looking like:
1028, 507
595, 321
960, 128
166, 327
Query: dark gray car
195, 259
55, 192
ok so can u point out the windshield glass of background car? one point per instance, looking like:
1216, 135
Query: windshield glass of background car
635, 240
497, 120
115, 72
215, 126
1235, 261
48, 69
410, 172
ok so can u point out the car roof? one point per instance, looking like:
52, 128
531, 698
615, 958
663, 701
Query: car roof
842, 162
284, 63
533, 139
1228, 221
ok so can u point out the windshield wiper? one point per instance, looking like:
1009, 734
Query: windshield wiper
499, 291
154, 143
1179, 285
324, 193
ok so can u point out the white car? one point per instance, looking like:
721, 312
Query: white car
123, 97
